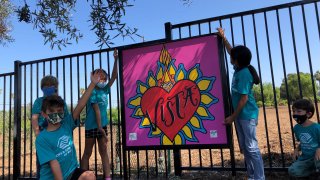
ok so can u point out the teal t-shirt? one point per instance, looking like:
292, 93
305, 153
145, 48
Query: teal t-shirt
309, 138
100, 97
242, 83
58, 144
36, 109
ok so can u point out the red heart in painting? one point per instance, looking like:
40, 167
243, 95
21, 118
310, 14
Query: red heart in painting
171, 111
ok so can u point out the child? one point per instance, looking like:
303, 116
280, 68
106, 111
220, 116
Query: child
55, 148
49, 86
246, 110
308, 134
97, 120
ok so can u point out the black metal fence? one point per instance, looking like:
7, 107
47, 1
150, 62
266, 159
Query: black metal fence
284, 40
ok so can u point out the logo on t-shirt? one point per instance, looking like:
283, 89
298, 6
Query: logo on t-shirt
63, 142
305, 138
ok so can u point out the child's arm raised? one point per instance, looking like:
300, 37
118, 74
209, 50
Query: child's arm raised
225, 41
85, 97
56, 170
115, 68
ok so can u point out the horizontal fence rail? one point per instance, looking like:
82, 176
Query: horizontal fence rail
284, 41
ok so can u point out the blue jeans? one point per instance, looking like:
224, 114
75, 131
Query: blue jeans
249, 145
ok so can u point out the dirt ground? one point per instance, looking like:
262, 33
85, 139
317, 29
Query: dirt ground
274, 126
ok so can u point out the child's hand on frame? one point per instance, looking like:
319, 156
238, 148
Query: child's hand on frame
115, 54
221, 32
95, 78
317, 155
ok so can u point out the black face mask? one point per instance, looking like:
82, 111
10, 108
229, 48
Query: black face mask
300, 118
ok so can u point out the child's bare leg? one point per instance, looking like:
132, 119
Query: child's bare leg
102, 142
88, 175
87, 153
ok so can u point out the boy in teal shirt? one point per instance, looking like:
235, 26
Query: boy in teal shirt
55, 147
308, 134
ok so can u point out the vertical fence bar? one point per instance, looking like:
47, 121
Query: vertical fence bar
4, 124
261, 87
24, 119
295, 52
79, 92
243, 32
64, 77
50, 67
57, 70
9, 147
31, 137
119, 139
284, 72
176, 152
273, 86
71, 89
110, 111
310, 62
17, 121
317, 16
43, 69
147, 164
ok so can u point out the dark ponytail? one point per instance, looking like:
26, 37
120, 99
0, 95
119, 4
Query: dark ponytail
254, 74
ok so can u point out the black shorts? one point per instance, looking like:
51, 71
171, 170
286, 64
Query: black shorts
95, 133
76, 174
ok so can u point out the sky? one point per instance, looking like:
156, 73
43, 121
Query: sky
149, 18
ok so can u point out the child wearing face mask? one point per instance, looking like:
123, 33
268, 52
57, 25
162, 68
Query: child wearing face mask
245, 114
49, 86
308, 134
97, 119
54, 144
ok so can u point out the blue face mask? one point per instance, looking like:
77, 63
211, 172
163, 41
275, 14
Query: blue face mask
47, 91
102, 84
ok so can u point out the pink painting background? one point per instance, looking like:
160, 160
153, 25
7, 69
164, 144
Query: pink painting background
138, 62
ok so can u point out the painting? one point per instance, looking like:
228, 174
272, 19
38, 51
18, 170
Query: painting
173, 94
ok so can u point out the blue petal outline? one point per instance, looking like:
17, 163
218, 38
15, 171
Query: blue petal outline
183, 139
214, 101
150, 74
134, 112
196, 66
160, 65
134, 97
194, 138
150, 135
181, 68
172, 64
211, 79
138, 84
209, 117
201, 129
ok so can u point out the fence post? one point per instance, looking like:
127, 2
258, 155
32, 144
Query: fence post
167, 27
17, 121
176, 152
